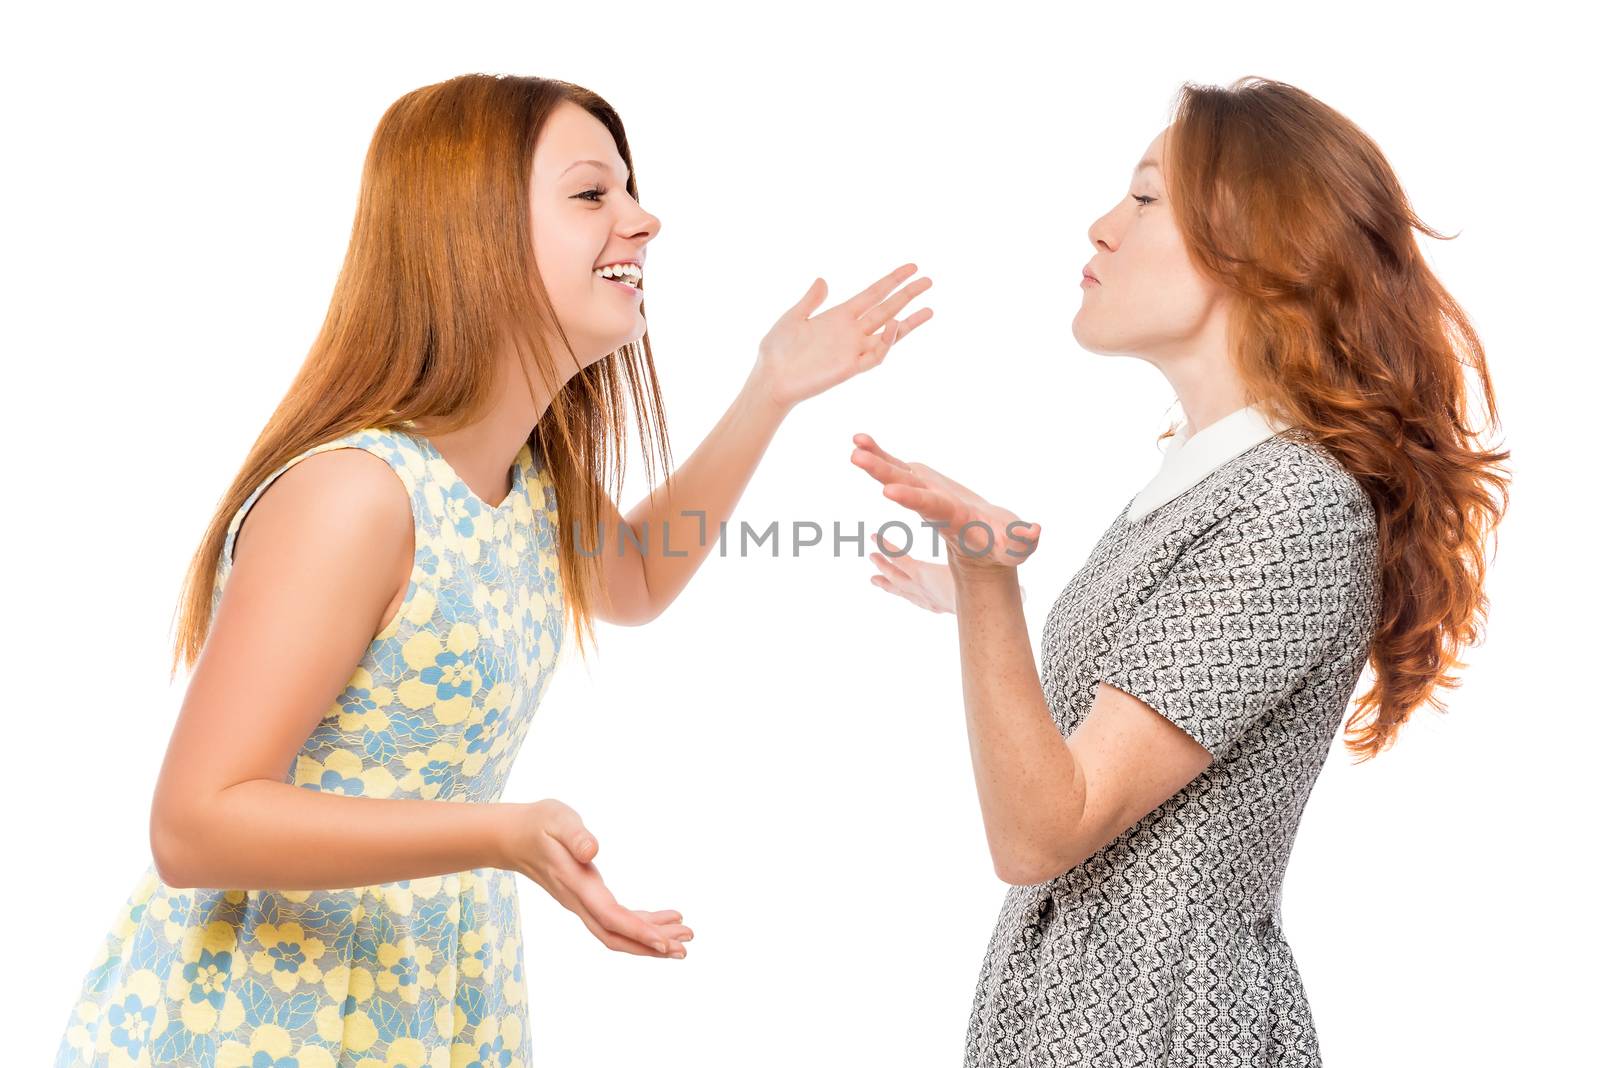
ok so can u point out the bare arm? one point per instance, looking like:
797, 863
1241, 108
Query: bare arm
685, 519
300, 607
801, 356
1049, 802
303, 601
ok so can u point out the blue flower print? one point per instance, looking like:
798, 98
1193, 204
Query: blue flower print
208, 977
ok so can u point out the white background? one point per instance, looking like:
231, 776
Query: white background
782, 756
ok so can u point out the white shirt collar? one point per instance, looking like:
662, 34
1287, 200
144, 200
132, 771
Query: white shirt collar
1189, 459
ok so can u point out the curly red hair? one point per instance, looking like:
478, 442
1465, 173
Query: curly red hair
1338, 326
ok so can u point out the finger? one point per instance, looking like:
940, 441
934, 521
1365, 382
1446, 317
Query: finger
617, 942
876, 317
931, 505
879, 346
661, 916
917, 319
899, 591
590, 898
865, 441
890, 549
889, 570
613, 917
668, 921
877, 290
568, 829
570, 901
883, 470
627, 945
890, 587
871, 356
913, 591
808, 303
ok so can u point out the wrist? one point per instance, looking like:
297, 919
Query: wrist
979, 571
761, 397
509, 823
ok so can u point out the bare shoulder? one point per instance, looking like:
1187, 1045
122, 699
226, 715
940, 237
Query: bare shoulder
337, 523
345, 500
316, 571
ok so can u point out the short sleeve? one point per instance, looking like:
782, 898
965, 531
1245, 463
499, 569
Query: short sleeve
1245, 611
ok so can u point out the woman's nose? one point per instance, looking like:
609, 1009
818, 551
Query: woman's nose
1100, 235
648, 226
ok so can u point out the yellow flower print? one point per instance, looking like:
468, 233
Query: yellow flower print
399, 898
435, 772
272, 1045
202, 986
482, 736
83, 1024
410, 1053
446, 673
360, 704
419, 609
448, 1019
413, 466
444, 980
343, 1019
171, 909
538, 606
477, 951
343, 773
512, 548
287, 955
135, 1014
493, 610
132, 910
495, 1041
464, 523
403, 968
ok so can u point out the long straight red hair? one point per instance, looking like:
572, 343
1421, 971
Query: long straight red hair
1338, 326
439, 273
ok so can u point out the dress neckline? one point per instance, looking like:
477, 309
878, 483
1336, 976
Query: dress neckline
518, 473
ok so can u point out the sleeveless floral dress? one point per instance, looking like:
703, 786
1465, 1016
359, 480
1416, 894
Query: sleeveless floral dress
422, 972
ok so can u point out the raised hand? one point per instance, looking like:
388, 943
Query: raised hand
551, 846
979, 535
804, 354
926, 585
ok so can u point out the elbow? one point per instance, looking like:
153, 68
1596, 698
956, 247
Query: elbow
167, 850
640, 618
632, 613
1018, 871
1025, 867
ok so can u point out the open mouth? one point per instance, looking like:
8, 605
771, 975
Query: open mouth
625, 275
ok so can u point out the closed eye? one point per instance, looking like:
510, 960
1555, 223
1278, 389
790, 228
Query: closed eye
598, 191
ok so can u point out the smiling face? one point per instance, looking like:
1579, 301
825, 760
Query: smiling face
1151, 301
583, 219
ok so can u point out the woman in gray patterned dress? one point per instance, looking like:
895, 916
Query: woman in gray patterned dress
1322, 506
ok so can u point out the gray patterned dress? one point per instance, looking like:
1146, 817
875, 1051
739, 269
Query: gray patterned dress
1242, 610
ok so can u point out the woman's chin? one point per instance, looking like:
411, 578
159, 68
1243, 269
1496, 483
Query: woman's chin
618, 339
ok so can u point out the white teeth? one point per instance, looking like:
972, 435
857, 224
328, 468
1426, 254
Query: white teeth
626, 273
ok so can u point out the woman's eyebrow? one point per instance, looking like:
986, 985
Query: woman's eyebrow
593, 162
1146, 162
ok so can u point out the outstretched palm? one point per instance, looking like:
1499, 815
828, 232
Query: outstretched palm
804, 354
979, 534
